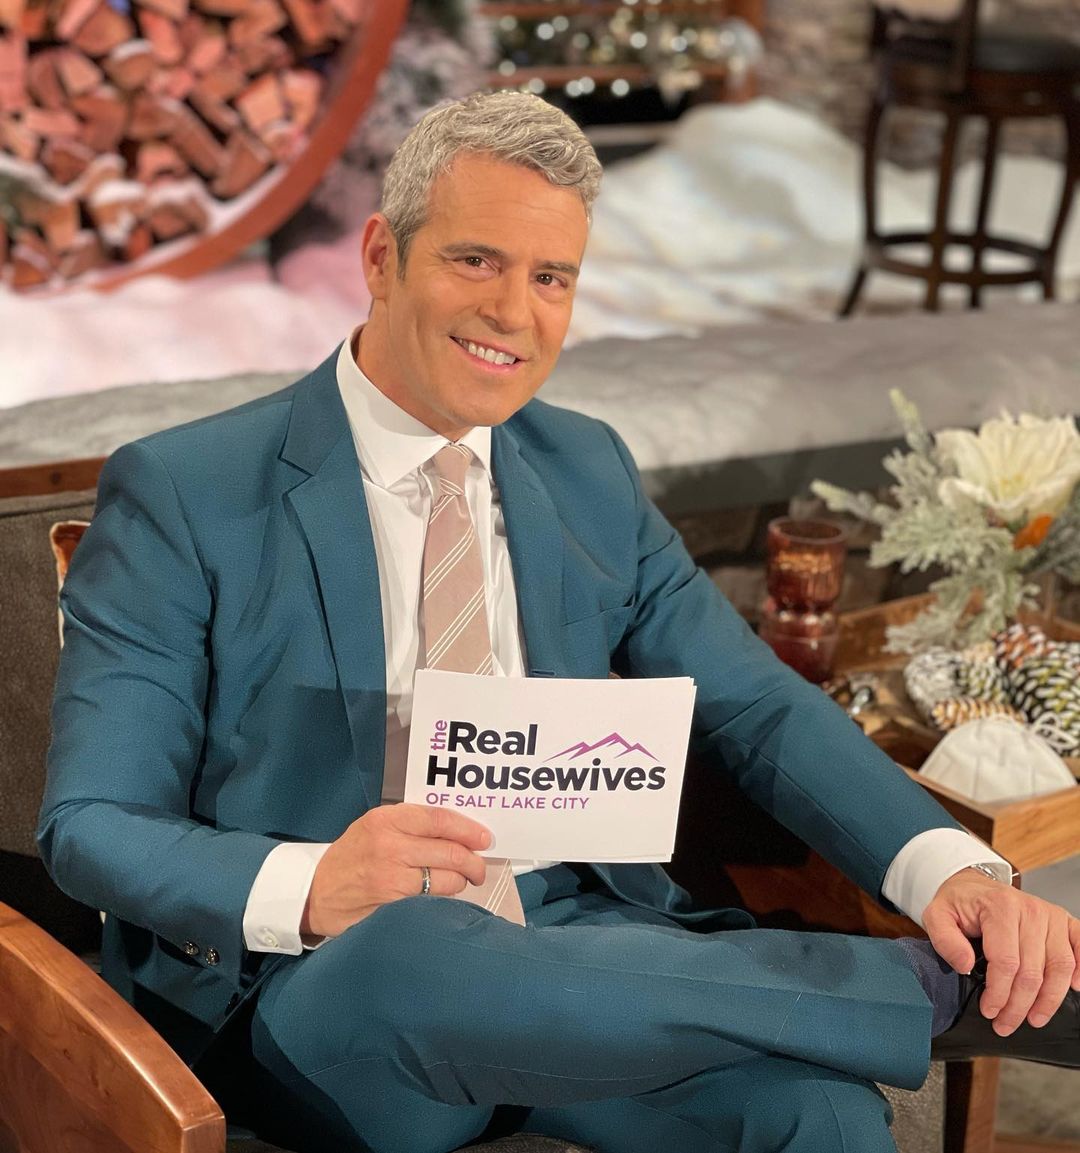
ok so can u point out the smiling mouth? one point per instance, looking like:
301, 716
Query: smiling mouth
486, 354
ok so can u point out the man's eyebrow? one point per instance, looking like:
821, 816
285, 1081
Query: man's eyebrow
467, 248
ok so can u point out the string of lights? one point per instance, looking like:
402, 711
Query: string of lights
576, 50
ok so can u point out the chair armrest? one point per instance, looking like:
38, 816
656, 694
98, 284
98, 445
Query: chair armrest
80, 1067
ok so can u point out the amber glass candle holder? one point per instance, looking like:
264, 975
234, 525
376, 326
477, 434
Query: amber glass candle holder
804, 566
804, 572
804, 640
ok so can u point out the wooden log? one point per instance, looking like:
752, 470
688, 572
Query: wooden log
177, 83
130, 65
350, 11
246, 159
152, 116
35, 20
140, 240
175, 10
43, 82
196, 143
283, 140
163, 36
263, 19
207, 52
270, 55
65, 160
104, 113
56, 218
31, 262
18, 138
216, 112
176, 209
309, 21
86, 252
103, 31
302, 89
156, 159
11, 14
51, 121
261, 103
116, 207
73, 15
222, 7
222, 83
78, 73
101, 170
13, 71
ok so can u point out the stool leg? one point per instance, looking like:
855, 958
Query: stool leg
870, 233
1070, 177
940, 234
978, 241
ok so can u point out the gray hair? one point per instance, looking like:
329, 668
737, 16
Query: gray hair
512, 126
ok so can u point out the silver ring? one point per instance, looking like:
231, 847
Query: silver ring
425, 884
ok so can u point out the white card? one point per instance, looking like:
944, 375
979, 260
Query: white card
558, 770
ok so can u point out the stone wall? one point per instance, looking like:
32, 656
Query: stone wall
817, 59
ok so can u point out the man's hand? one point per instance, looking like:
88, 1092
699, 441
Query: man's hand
1032, 948
380, 858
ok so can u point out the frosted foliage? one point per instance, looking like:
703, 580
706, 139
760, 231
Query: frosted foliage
984, 586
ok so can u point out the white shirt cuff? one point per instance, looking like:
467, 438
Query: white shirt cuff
277, 898
928, 860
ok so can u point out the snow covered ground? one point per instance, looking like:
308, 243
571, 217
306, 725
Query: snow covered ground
745, 213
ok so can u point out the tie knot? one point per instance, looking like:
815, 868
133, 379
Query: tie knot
451, 464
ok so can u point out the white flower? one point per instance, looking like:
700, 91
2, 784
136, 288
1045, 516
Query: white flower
1019, 469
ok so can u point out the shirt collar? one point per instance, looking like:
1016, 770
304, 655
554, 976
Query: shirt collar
389, 442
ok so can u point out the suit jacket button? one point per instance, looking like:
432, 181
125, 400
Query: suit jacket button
191, 949
212, 956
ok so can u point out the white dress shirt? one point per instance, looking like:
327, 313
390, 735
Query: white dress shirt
395, 451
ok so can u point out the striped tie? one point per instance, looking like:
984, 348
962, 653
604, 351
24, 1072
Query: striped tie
456, 626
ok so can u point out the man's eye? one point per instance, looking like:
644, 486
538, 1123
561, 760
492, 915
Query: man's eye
546, 278
474, 261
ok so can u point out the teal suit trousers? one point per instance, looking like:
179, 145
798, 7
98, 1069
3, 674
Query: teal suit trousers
608, 1024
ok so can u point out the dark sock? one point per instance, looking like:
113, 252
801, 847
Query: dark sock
940, 981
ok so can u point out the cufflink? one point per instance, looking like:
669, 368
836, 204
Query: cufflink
191, 949
212, 956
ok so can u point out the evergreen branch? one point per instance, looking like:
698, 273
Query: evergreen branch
860, 504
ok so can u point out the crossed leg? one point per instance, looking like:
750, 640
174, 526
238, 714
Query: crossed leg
406, 1033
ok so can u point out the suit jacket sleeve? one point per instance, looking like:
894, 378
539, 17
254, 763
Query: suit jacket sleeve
790, 748
129, 725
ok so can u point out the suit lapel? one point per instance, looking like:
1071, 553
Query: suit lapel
535, 540
333, 516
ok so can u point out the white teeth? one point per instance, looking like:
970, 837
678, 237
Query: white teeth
488, 354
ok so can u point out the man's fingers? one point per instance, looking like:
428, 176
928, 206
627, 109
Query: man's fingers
435, 821
1001, 946
449, 856
1060, 966
949, 942
444, 883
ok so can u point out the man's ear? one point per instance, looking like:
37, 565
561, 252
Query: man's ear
378, 251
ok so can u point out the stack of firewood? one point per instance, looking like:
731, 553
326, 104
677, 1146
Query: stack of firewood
125, 124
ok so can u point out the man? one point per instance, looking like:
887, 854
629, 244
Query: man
243, 621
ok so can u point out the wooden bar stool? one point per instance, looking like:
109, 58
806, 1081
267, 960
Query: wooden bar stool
959, 70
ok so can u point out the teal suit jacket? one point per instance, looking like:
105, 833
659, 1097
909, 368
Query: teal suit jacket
222, 685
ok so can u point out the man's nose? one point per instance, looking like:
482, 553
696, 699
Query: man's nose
508, 307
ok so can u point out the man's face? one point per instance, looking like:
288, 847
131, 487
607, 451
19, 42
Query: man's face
476, 323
